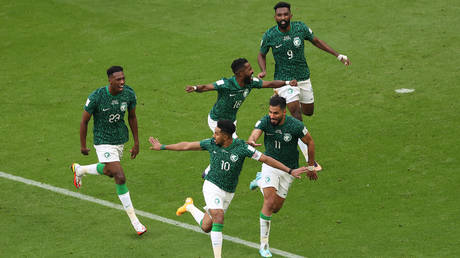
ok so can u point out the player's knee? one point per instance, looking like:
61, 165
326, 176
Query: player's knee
120, 177
276, 209
296, 113
308, 113
270, 204
206, 228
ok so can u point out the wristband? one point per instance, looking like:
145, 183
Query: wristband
290, 171
163, 147
287, 82
194, 88
340, 57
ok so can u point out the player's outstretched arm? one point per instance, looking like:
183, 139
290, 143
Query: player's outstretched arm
181, 146
322, 45
199, 88
83, 132
308, 140
262, 60
278, 83
276, 164
255, 134
132, 120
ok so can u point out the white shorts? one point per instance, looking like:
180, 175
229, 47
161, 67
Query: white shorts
109, 153
215, 197
273, 177
303, 92
213, 124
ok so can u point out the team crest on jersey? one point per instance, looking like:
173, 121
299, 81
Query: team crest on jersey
287, 137
233, 157
245, 93
123, 106
114, 102
297, 42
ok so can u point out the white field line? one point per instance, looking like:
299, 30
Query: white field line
138, 212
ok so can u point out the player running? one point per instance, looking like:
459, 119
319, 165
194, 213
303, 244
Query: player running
286, 40
108, 105
281, 133
227, 157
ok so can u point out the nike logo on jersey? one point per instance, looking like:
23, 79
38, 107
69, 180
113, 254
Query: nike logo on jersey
270, 134
232, 95
105, 109
278, 46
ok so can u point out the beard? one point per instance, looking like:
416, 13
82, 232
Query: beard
283, 25
274, 122
248, 80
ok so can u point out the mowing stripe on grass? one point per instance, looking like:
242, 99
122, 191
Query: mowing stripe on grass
138, 212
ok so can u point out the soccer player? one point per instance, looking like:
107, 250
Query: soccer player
286, 40
108, 106
281, 133
227, 155
233, 91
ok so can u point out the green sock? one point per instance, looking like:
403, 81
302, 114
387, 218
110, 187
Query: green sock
262, 216
217, 227
100, 168
121, 189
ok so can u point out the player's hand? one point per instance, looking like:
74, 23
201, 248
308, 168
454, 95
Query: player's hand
84, 151
190, 88
346, 62
344, 59
156, 145
312, 175
298, 171
293, 83
262, 75
253, 143
134, 151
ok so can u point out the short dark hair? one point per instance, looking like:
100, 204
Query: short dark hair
114, 69
239, 63
282, 5
278, 101
226, 126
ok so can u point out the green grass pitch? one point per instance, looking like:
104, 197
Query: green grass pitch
391, 161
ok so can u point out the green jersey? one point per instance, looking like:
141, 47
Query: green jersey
230, 96
288, 51
226, 163
108, 112
281, 141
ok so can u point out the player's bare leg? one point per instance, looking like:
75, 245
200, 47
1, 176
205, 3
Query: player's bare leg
217, 216
114, 169
308, 109
272, 204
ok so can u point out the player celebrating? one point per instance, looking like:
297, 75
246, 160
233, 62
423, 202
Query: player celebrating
286, 40
108, 106
226, 156
233, 91
281, 133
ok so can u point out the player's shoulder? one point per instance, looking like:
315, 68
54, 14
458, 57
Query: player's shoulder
222, 81
300, 26
128, 89
271, 31
97, 93
207, 142
256, 81
294, 122
262, 122
242, 145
